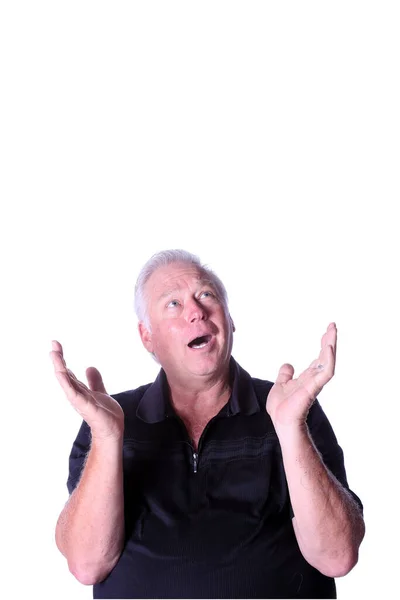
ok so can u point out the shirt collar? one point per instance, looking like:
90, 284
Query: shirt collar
155, 405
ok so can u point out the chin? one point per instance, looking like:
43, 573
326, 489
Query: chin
204, 365
203, 370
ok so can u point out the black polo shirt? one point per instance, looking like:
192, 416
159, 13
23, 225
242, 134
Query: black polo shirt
216, 523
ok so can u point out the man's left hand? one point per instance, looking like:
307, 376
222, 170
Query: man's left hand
290, 399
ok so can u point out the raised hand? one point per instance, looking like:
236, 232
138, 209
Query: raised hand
101, 412
290, 399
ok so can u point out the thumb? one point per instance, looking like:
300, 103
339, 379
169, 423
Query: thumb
286, 373
95, 380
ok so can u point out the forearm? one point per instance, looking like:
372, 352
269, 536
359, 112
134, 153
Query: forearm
90, 529
328, 523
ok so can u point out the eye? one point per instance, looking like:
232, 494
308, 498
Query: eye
173, 304
208, 294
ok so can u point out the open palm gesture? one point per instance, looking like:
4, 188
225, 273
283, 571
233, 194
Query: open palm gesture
101, 412
290, 399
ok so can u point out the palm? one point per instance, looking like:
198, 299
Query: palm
290, 399
94, 407
102, 413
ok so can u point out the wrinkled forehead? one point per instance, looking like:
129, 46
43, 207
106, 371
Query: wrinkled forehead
173, 277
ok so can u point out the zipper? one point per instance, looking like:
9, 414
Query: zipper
195, 455
195, 459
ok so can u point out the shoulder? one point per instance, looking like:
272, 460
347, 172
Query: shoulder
254, 389
261, 387
129, 400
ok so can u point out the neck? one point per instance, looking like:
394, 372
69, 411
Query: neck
200, 397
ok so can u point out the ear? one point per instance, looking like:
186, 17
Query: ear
145, 336
233, 324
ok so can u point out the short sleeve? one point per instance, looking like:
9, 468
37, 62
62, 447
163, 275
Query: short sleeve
325, 440
78, 455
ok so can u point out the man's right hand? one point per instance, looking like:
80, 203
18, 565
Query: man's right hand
101, 412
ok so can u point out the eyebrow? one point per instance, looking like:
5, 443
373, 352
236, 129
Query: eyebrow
170, 292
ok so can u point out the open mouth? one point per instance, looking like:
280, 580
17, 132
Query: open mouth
200, 342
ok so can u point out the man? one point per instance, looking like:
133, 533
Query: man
207, 483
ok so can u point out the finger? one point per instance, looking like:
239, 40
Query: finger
58, 351
95, 380
330, 337
316, 363
93, 375
56, 346
77, 383
286, 373
323, 368
332, 341
329, 360
68, 381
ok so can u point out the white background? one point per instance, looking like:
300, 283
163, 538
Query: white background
263, 136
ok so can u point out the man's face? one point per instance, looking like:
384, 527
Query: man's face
191, 329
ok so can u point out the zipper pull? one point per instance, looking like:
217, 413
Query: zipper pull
195, 458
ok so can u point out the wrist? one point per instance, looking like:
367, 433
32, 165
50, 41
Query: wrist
291, 432
100, 442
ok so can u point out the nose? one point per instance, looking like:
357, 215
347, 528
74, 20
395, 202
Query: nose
195, 311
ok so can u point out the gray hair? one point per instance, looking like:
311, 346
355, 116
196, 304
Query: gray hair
166, 257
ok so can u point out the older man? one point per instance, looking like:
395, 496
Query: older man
207, 483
